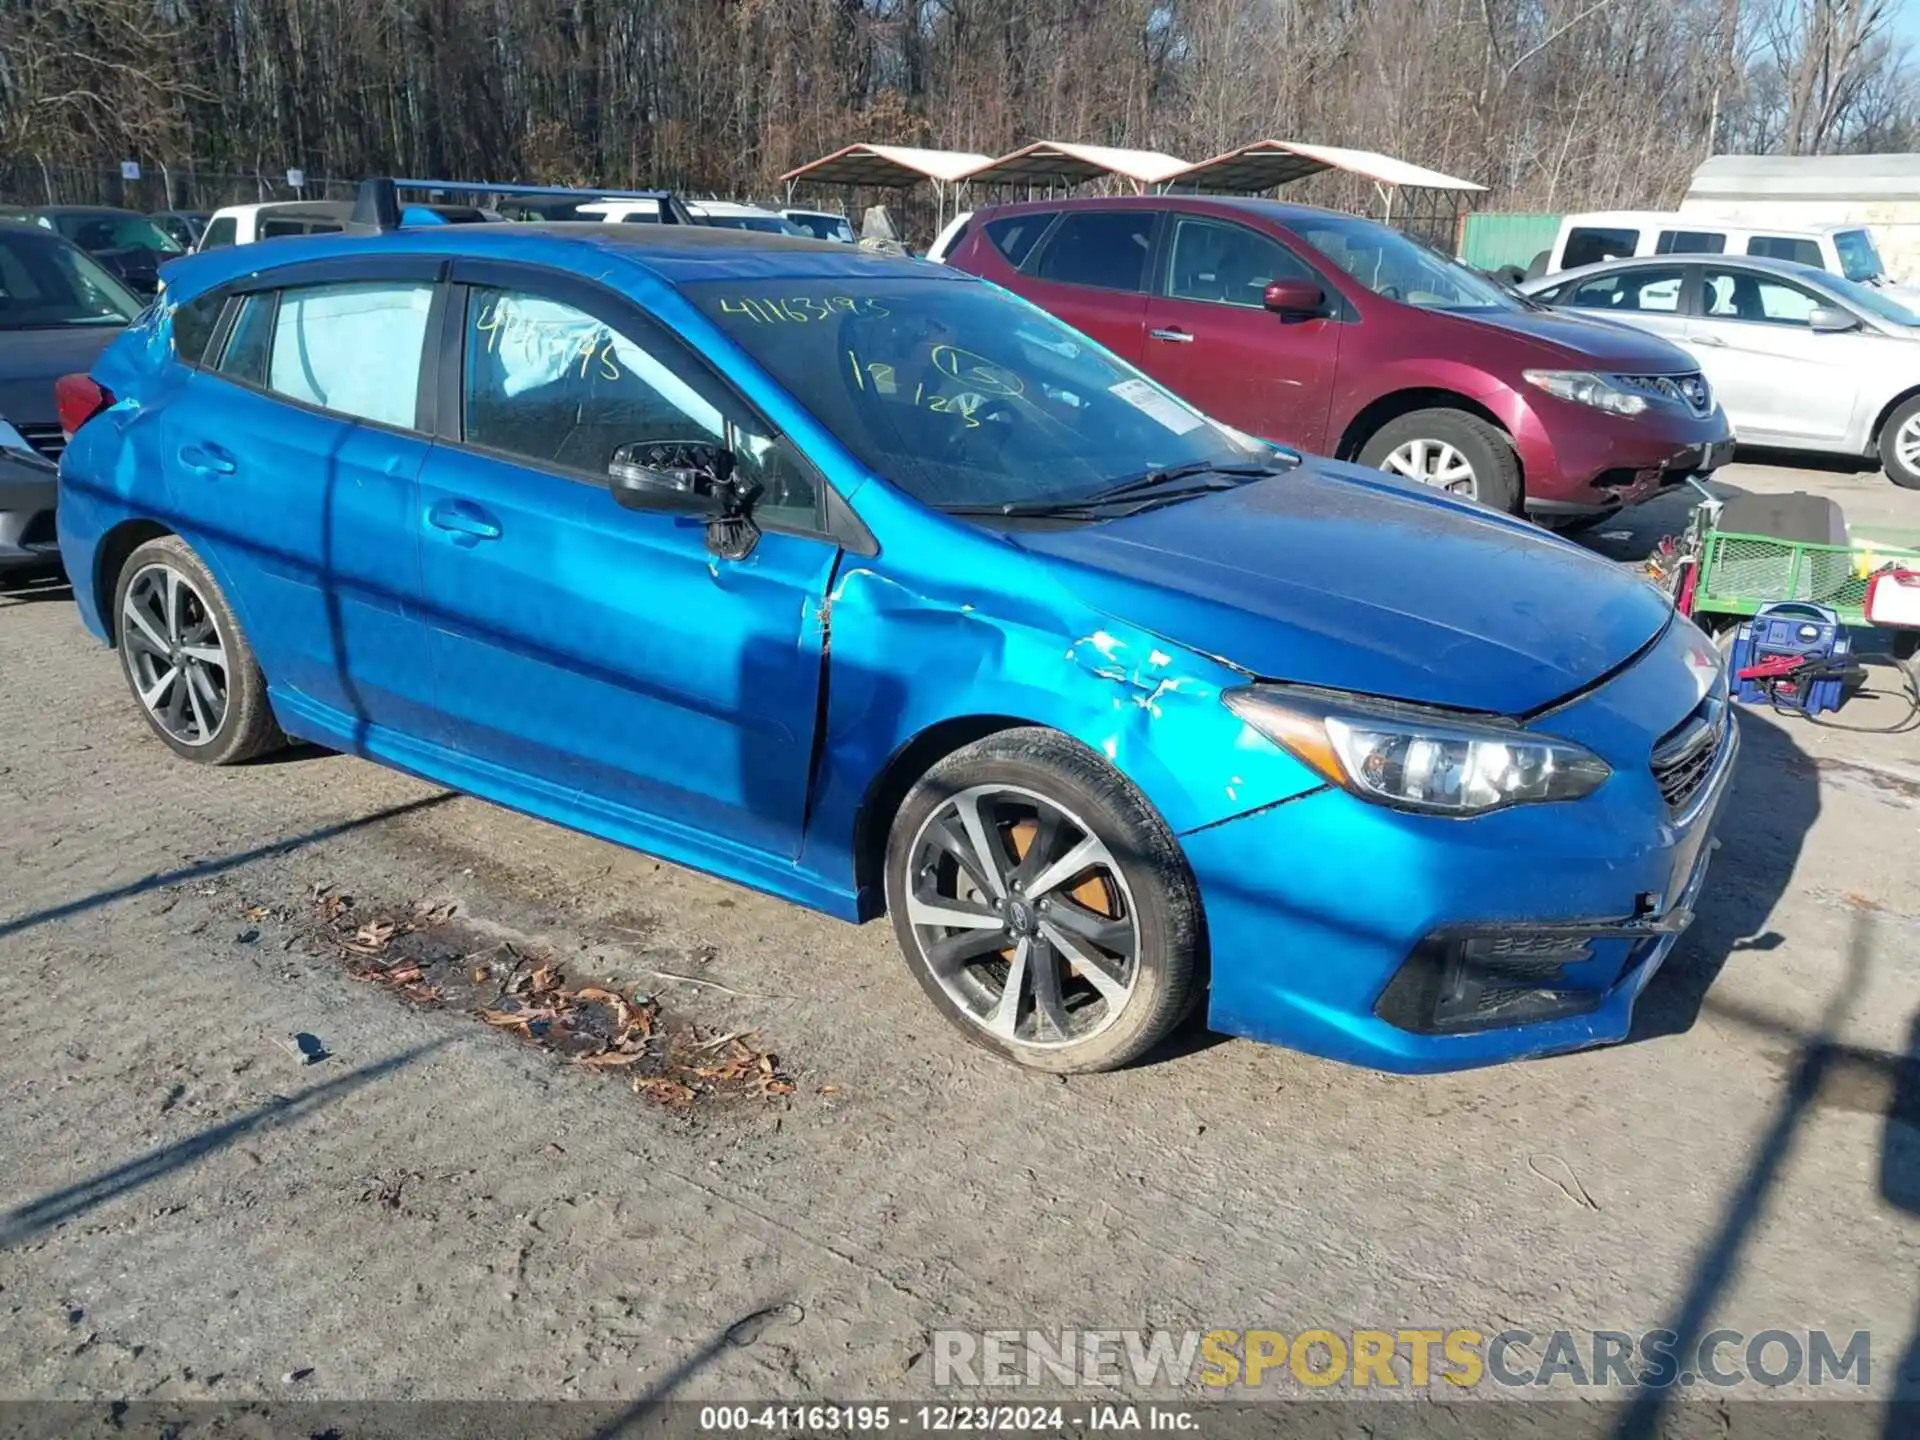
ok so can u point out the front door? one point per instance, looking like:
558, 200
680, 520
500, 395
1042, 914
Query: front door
1211, 339
603, 651
1776, 376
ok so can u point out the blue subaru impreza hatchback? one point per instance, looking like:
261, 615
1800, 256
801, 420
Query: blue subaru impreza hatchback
863, 582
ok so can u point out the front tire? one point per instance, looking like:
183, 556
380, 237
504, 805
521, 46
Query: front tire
1900, 445
1452, 451
1043, 905
188, 663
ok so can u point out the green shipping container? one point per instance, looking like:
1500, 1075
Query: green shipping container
1491, 239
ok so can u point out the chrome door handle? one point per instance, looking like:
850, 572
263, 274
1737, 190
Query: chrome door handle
1182, 336
1708, 340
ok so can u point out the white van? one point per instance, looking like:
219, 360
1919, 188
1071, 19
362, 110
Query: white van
1598, 235
244, 224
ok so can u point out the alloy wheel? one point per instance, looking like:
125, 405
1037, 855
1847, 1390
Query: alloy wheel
1023, 916
1435, 463
175, 654
1906, 444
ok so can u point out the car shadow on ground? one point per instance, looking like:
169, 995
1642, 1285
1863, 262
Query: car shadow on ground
1763, 823
33, 591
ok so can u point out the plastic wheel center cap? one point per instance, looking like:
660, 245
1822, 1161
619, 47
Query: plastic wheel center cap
1020, 917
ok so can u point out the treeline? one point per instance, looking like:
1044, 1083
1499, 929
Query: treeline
1553, 103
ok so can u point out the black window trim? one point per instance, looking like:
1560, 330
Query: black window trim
1157, 219
835, 520
338, 271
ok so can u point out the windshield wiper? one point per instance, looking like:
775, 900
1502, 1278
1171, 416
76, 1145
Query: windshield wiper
1142, 492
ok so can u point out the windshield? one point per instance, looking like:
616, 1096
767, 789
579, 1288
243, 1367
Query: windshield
45, 285
103, 231
1398, 268
961, 394
1859, 261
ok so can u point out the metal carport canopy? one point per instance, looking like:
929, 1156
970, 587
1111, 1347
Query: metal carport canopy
1268, 164
892, 166
1057, 162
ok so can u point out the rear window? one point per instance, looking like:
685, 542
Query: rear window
221, 232
1106, 249
1690, 242
1013, 237
1588, 245
1859, 261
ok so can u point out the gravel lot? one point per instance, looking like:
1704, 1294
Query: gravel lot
438, 1209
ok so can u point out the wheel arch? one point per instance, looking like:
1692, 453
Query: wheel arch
110, 558
1395, 403
1878, 428
888, 789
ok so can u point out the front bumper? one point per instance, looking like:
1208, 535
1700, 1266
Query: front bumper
29, 489
1315, 906
1590, 463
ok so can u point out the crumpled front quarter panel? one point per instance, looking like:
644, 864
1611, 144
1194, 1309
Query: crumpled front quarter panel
906, 655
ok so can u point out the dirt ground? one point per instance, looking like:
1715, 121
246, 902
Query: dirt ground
190, 1207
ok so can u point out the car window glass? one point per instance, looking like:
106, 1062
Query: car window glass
1226, 264
45, 284
353, 348
1646, 292
1690, 242
1103, 248
193, 326
1859, 260
245, 356
1742, 295
556, 385
1589, 245
1781, 247
221, 232
1014, 235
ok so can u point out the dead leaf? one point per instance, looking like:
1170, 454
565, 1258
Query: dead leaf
544, 979
609, 1059
405, 975
255, 912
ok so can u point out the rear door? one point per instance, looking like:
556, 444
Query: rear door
1776, 377
1211, 339
293, 456
600, 652
1091, 271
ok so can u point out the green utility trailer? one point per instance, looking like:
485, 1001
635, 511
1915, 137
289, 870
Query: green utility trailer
1739, 572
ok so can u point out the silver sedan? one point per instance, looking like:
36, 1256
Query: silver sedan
1800, 358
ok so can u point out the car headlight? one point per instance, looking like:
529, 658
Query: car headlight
1585, 387
1415, 759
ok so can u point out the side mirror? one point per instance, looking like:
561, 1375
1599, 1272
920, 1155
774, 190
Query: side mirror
1827, 320
688, 477
678, 477
1294, 297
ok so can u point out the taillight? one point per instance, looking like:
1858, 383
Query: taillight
78, 400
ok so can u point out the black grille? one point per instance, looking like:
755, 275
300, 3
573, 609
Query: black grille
1684, 759
1690, 390
47, 439
40, 532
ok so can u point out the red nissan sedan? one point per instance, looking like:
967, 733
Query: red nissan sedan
1341, 336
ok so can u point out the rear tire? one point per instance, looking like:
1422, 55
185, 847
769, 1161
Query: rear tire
1900, 445
188, 663
1452, 451
1058, 882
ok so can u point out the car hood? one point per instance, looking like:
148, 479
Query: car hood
1343, 578
31, 360
1595, 342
